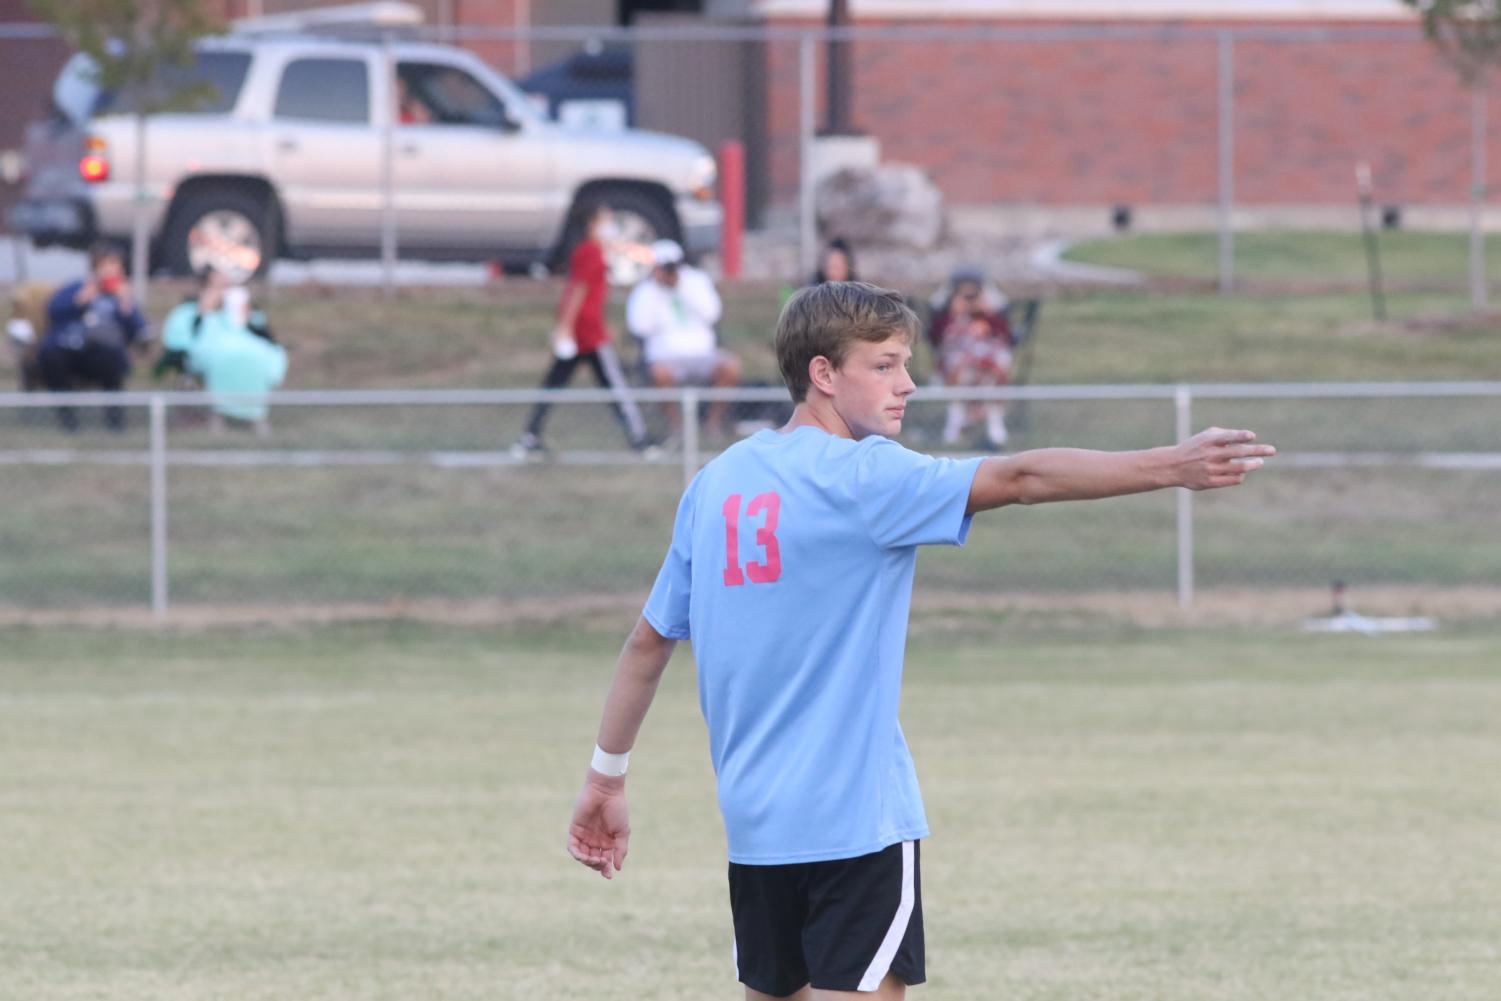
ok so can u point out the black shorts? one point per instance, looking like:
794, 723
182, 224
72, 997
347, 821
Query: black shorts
840, 925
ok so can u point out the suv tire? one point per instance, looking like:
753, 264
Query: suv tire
642, 217
242, 218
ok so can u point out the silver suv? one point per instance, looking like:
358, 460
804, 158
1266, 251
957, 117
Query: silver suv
288, 160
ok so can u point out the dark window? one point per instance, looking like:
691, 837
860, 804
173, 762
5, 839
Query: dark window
430, 93
324, 90
210, 86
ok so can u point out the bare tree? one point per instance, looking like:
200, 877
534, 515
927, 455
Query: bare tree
139, 50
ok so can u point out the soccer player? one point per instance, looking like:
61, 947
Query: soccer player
790, 569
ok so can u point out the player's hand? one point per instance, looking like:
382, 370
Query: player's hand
600, 834
1219, 458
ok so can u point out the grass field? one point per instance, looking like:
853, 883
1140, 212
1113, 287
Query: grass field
1122, 809
1296, 257
375, 811
326, 536
1304, 316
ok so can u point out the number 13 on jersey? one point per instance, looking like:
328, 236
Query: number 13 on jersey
770, 567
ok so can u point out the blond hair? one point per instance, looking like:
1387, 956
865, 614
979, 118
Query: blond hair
826, 320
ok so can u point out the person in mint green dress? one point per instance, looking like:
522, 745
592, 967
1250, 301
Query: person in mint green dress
212, 337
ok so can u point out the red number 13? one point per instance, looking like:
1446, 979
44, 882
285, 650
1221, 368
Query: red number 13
766, 538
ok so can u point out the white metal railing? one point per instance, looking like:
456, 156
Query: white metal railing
690, 453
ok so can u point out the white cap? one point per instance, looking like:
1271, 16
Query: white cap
666, 252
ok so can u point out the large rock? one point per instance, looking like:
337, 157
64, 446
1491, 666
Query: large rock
890, 205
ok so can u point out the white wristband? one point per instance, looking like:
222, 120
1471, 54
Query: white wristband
612, 765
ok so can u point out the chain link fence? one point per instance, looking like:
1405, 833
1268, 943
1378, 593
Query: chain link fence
389, 498
1028, 132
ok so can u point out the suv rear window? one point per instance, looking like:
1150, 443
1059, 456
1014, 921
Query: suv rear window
218, 75
324, 90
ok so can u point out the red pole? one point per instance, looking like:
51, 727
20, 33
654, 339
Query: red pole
732, 200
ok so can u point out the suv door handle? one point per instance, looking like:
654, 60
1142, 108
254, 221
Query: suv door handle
410, 149
287, 145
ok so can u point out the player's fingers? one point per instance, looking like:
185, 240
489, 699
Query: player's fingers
622, 848
1225, 436
1242, 451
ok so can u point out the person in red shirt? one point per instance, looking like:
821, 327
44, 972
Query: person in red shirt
581, 336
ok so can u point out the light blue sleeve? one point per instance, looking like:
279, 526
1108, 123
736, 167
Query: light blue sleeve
909, 499
668, 608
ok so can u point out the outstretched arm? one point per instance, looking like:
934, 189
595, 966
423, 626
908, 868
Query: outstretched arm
600, 833
1212, 458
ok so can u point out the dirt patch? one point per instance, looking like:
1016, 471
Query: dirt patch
1154, 610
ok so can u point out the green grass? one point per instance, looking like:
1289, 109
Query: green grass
76, 537
376, 812
329, 536
1294, 257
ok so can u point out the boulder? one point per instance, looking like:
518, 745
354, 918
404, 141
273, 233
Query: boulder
893, 205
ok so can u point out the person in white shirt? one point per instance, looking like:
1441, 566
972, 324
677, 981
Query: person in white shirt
673, 311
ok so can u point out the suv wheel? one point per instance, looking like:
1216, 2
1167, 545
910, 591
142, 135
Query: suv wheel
228, 229
638, 219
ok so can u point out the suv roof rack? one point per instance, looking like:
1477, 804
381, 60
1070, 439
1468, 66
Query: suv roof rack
351, 18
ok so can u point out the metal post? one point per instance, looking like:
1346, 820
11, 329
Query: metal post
1477, 193
521, 52
140, 235
388, 176
807, 224
689, 415
1183, 402
158, 505
1365, 188
1227, 161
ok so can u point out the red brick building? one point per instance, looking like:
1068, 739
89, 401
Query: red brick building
1100, 120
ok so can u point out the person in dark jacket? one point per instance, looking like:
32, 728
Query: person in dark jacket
91, 323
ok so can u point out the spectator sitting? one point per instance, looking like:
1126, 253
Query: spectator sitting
972, 341
217, 338
90, 325
836, 264
673, 311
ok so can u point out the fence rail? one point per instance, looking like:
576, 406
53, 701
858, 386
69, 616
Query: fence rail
688, 453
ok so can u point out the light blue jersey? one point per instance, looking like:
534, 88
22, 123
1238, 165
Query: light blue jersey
791, 571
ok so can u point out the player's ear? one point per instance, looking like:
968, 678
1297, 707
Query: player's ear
821, 375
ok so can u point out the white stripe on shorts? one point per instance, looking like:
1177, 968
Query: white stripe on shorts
879, 966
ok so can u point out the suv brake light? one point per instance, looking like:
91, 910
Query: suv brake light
94, 167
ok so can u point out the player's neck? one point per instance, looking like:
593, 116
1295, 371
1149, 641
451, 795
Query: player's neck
817, 413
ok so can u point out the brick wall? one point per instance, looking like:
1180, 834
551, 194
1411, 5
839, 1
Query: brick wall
1136, 121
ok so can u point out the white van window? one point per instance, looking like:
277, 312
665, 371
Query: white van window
325, 90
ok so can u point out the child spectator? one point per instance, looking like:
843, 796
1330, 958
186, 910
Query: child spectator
972, 342
211, 337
